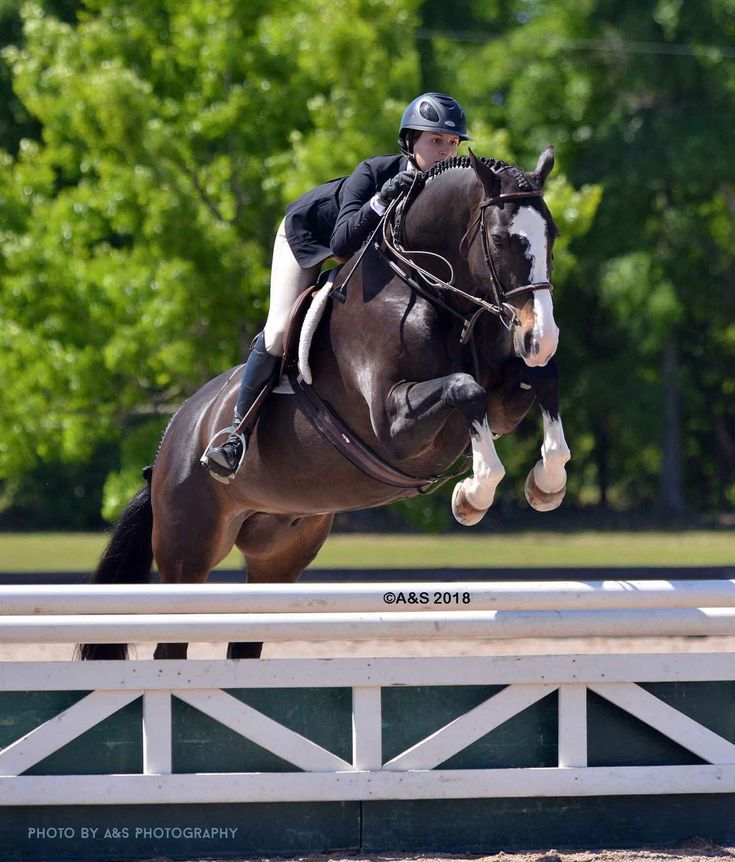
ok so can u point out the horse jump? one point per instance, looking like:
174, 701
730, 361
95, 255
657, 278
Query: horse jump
477, 753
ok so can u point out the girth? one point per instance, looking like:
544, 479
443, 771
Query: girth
348, 444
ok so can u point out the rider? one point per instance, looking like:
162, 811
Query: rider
334, 220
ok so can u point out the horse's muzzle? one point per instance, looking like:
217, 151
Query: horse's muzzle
537, 352
536, 338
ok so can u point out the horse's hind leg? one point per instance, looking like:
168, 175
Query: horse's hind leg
187, 555
277, 549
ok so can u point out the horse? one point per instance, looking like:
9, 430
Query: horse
449, 348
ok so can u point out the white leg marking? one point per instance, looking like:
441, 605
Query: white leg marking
549, 473
487, 470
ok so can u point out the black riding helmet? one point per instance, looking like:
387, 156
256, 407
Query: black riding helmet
433, 112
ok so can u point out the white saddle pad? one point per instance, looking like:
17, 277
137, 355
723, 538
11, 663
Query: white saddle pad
311, 321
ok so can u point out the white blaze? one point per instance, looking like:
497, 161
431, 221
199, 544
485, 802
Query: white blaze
531, 225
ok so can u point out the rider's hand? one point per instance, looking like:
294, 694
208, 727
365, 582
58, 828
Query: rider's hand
396, 186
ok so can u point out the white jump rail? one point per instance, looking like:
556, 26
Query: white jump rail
453, 596
402, 611
462, 625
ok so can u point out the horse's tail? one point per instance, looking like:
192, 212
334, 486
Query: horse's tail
127, 559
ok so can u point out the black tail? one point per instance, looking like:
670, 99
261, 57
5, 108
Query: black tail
127, 560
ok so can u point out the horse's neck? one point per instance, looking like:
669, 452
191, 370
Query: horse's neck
437, 219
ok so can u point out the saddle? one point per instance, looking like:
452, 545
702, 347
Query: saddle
294, 325
293, 347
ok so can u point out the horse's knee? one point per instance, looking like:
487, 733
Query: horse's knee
464, 393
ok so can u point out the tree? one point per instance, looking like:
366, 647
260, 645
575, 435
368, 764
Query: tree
136, 232
639, 100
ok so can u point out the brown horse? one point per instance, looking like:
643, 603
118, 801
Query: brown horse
391, 362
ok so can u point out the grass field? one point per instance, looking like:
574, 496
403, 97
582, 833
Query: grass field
50, 552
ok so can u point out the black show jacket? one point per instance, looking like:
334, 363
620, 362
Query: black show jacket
335, 218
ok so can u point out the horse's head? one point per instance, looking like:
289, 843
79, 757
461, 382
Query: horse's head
508, 249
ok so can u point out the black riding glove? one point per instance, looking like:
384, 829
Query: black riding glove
399, 185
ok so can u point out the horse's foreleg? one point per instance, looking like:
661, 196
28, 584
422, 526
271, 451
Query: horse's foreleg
415, 412
411, 407
473, 496
546, 483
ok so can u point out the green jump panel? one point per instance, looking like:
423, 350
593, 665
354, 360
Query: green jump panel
570, 823
201, 744
409, 714
121, 832
113, 746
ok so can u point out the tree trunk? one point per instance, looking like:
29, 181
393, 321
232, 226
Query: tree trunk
671, 493
602, 460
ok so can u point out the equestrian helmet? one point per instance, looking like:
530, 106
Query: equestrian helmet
433, 112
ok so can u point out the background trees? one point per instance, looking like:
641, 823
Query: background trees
148, 151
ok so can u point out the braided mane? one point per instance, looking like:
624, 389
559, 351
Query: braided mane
463, 162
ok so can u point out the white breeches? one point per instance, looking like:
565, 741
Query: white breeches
288, 280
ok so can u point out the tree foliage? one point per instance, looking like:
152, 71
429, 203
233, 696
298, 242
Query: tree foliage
136, 233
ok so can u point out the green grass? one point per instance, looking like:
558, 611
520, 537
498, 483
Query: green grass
48, 552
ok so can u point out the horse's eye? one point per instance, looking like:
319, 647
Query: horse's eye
499, 239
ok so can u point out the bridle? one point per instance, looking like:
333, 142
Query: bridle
500, 307
501, 294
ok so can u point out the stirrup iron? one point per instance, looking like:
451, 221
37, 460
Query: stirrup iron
204, 460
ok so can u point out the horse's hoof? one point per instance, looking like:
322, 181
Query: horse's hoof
540, 500
463, 510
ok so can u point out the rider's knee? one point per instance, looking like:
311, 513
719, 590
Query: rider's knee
273, 337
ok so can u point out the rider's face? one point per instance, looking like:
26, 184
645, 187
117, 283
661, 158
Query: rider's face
432, 147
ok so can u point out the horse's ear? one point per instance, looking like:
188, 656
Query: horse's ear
543, 167
485, 174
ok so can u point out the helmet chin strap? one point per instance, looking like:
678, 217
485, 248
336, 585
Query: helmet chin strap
407, 151
412, 163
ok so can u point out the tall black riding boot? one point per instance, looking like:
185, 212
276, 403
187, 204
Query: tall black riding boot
261, 368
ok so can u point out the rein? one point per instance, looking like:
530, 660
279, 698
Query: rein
501, 308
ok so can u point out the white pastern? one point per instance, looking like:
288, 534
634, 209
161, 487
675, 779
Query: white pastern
549, 473
487, 470
531, 225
